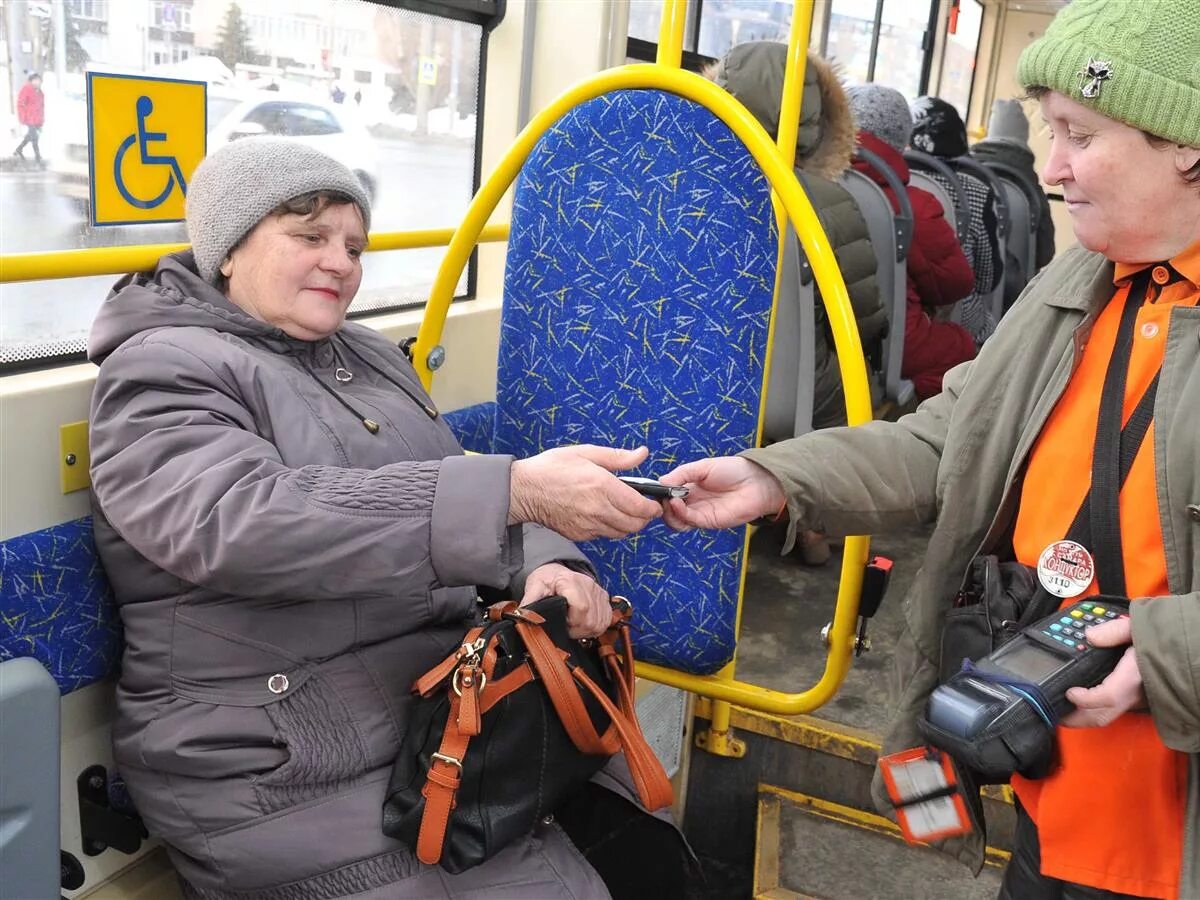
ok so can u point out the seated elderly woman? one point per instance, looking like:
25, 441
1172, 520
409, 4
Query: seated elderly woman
293, 535
1035, 427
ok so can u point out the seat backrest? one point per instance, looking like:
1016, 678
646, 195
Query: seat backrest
928, 164
791, 381
637, 297
56, 605
927, 183
891, 236
29, 780
967, 167
1024, 213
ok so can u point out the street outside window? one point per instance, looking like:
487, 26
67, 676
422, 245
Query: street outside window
391, 93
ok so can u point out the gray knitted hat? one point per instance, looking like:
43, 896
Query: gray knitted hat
883, 111
233, 188
1008, 123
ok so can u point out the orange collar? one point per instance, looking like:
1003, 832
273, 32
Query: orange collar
1186, 264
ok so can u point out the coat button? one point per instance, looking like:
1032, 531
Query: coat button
277, 683
1194, 512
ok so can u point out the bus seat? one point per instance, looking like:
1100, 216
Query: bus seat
926, 182
56, 605
791, 381
1023, 215
473, 426
638, 288
965, 166
29, 780
891, 236
927, 164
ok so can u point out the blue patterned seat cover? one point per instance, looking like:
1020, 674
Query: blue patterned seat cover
638, 289
56, 605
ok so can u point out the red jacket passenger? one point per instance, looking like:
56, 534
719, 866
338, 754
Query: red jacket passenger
938, 275
31, 105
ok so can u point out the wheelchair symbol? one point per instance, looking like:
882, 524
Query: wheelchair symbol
142, 139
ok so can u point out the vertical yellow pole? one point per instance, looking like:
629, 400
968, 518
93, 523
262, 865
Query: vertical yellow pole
719, 739
670, 33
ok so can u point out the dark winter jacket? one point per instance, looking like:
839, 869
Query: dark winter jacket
284, 574
938, 275
1020, 158
753, 72
31, 105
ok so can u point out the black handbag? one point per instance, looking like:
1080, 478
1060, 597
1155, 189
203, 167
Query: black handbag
508, 726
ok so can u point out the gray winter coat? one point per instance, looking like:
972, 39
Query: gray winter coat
753, 73
958, 461
284, 575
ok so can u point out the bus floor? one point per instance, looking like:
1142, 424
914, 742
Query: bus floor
788, 603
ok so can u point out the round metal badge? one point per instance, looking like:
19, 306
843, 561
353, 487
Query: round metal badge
1065, 569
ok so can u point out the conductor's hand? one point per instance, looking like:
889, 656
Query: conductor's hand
723, 492
1117, 694
572, 490
588, 611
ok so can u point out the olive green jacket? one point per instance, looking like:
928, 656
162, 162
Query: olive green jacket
956, 461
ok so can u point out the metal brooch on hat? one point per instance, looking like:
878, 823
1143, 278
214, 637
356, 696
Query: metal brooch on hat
1095, 73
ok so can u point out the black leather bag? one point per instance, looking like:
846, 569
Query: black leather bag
507, 727
994, 604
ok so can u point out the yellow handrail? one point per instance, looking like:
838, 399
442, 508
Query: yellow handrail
670, 33
143, 257
829, 280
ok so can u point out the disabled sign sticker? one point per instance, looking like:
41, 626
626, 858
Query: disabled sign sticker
145, 138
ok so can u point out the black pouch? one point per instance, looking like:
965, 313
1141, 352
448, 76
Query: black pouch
992, 607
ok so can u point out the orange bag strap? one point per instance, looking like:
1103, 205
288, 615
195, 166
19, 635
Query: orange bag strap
649, 777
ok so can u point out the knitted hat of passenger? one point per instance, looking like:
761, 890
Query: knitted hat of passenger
938, 128
1008, 123
233, 189
1138, 63
883, 111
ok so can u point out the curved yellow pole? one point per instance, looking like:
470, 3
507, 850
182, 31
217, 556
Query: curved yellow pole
670, 33
719, 738
144, 257
829, 280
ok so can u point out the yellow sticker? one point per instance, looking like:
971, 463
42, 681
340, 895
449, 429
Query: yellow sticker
146, 137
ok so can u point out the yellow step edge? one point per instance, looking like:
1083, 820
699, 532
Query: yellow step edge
766, 846
822, 735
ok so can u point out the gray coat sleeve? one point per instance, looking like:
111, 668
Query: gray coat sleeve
881, 476
1166, 635
180, 472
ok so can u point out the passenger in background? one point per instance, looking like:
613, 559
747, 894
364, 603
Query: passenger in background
1007, 142
753, 73
938, 272
939, 131
293, 535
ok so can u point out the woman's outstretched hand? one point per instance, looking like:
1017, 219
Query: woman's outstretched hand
723, 492
572, 490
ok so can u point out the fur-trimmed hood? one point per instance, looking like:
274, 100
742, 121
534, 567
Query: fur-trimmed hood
753, 73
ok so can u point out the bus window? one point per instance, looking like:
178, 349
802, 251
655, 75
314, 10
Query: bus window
391, 93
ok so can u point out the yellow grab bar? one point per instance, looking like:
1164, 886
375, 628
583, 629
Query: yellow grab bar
670, 33
144, 257
829, 280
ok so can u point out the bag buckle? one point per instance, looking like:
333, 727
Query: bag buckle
456, 681
448, 760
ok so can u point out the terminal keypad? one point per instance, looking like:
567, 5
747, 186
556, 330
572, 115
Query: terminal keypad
1068, 630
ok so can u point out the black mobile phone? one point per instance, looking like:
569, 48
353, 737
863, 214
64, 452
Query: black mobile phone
656, 490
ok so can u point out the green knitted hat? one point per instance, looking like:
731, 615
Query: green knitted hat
1137, 61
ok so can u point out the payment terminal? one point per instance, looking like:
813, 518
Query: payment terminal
998, 714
